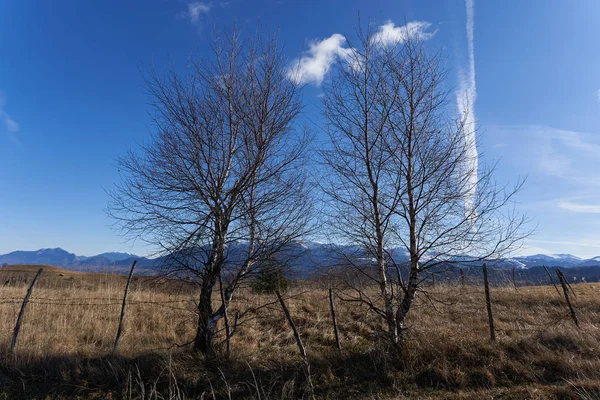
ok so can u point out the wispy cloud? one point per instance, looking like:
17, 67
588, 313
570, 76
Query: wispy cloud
576, 141
565, 154
466, 97
581, 243
314, 64
10, 124
195, 11
317, 61
580, 208
528, 250
562, 189
390, 34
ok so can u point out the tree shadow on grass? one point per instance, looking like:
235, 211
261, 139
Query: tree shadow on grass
380, 371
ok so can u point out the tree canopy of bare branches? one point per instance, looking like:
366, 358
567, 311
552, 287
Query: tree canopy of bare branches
224, 170
402, 172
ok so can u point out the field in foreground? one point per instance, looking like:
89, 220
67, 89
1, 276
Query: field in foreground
65, 346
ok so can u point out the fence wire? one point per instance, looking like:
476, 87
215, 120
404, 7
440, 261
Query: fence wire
456, 286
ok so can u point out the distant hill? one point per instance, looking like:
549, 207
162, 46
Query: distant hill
115, 262
32, 269
552, 260
115, 256
303, 258
58, 257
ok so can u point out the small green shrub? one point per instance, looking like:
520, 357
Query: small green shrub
269, 279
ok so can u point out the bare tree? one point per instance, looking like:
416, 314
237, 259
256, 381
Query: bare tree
221, 186
404, 174
363, 194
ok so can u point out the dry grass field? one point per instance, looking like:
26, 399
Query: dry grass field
65, 346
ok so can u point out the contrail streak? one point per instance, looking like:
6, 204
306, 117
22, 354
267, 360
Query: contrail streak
466, 97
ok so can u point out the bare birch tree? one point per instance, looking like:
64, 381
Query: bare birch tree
220, 189
363, 194
404, 175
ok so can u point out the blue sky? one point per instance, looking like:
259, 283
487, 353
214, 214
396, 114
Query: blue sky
72, 99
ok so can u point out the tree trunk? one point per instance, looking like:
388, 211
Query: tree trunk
409, 296
388, 300
413, 277
207, 318
203, 341
392, 325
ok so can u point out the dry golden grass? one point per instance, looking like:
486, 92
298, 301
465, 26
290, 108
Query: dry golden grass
73, 313
64, 349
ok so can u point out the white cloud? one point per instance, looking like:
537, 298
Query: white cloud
196, 10
390, 34
580, 208
8, 122
317, 61
314, 64
465, 98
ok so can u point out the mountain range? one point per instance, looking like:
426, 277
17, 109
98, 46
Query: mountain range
62, 258
308, 257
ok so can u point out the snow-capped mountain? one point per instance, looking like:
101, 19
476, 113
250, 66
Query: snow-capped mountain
591, 262
116, 256
508, 263
307, 257
558, 260
550, 260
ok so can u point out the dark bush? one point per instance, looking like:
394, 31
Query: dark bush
269, 279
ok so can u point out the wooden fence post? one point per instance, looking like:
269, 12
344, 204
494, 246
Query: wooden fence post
335, 328
13, 344
122, 317
298, 341
513, 278
462, 277
552, 280
488, 303
563, 282
569, 285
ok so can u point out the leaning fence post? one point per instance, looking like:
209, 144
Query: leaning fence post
488, 303
335, 328
13, 344
122, 317
569, 285
552, 280
513, 277
562, 279
462, 277
298, 341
